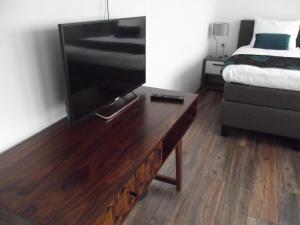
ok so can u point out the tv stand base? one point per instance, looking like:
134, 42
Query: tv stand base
118, 106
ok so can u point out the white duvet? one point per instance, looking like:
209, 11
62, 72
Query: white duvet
264, 77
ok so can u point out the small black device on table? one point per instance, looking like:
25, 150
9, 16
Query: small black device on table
167, 98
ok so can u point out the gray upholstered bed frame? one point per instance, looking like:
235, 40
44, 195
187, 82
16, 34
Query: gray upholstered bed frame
260, 109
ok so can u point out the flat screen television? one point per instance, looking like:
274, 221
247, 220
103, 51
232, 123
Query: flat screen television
104, 62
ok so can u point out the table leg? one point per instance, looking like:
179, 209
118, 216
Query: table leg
179, 165
178, 180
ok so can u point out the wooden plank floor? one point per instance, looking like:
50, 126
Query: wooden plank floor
244, 179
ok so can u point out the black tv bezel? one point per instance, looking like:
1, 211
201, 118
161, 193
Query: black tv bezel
68, 101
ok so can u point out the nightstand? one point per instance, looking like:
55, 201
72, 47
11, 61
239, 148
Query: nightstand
212, 73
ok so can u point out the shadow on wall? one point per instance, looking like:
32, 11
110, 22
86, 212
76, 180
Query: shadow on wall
49, 74
190, 77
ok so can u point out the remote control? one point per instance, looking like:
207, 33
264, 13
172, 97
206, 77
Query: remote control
167, 98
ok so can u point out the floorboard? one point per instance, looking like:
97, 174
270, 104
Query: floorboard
244, 179
255, 221
263, 200
288, 185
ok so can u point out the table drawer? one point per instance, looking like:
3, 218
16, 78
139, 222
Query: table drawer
122, 205
119, 208
107, 218
214, 67
148, 170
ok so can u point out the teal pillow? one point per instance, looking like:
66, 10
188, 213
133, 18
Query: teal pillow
272, 41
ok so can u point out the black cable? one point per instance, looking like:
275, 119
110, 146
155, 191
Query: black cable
105, 10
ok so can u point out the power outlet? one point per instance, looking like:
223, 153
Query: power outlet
223, 47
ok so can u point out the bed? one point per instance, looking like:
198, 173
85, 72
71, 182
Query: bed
273, 109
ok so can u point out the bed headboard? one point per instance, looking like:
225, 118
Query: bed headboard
246, 33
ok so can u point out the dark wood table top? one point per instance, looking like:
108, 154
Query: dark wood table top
66, 175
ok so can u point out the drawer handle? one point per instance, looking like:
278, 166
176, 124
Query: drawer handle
220, 65
133, 193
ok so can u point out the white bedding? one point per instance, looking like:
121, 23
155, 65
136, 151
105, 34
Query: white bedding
264, 77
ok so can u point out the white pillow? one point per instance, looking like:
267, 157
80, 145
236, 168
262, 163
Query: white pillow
277, 27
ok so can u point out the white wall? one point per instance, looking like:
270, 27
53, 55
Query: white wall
31, 81
177, 35
234, 10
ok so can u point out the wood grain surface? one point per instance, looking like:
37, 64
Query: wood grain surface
69, 175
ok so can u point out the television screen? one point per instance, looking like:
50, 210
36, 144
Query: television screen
103, 60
